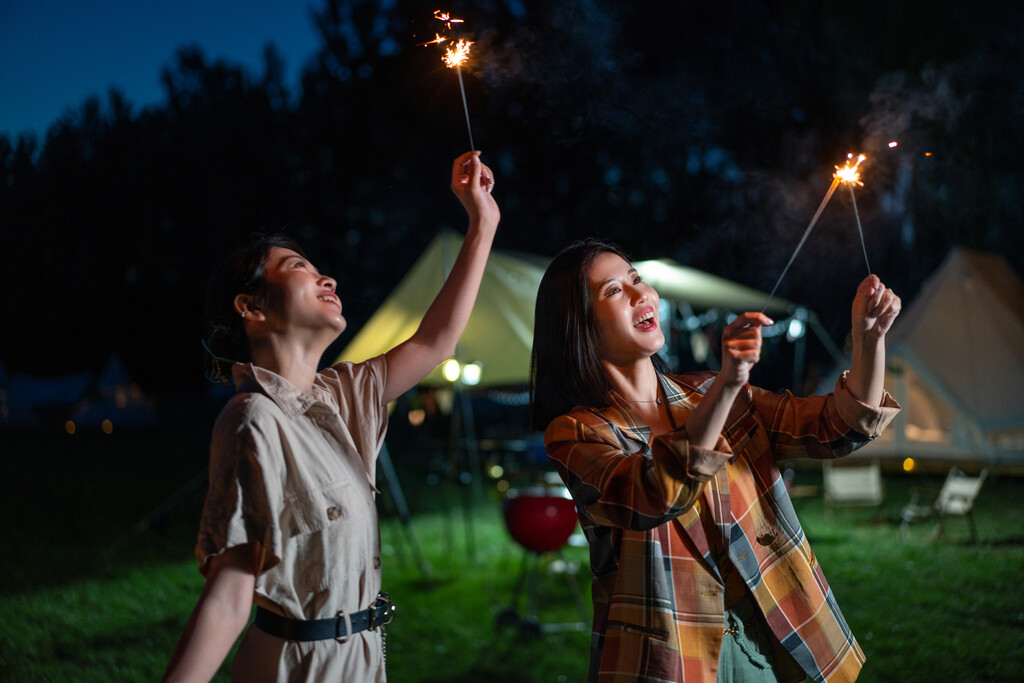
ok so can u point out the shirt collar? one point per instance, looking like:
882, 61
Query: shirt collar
289, 398
675, 393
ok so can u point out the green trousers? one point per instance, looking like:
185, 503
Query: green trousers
746, 655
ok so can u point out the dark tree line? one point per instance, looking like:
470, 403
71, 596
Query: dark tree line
701, 131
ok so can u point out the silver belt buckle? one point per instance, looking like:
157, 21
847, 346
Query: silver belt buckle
389, 611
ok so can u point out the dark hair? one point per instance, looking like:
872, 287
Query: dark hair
241, 273
565, 370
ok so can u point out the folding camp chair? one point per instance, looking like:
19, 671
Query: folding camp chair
852, 486
956, 497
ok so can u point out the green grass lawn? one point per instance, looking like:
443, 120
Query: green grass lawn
90, 596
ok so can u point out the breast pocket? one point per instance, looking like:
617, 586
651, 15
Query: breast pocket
325, 525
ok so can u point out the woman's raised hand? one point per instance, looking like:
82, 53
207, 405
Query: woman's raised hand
472, 182
741, 347
875, 307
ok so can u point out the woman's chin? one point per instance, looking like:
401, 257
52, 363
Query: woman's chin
655, 342
337, 323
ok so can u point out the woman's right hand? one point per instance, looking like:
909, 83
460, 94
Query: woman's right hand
472, 182
741, 347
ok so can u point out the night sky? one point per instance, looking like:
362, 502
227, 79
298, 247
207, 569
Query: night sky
700, 131
55, 53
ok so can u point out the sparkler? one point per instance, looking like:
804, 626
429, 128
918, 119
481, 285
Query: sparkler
454, 57
847, 174
851, 177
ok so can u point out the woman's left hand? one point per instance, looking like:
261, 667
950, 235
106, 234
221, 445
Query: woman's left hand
875, 307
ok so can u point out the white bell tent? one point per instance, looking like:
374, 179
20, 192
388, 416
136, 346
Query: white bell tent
955, 363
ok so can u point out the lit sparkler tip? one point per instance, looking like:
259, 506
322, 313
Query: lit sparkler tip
457, 55
850, 174
893, 144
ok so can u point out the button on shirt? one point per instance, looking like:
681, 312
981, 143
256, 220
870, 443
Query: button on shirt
293, 475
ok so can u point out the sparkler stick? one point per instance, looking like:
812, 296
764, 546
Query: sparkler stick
810, 226
465, 109
454, 57
856, 215
847, 174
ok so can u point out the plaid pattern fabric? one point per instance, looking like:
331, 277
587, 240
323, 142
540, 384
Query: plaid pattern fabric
658, 596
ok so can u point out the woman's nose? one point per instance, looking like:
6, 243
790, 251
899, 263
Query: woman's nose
328, 282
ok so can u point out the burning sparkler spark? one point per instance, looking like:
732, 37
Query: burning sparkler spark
446, 17
438, 38
850, 174
455, 56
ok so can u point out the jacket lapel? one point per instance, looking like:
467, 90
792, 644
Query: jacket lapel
682, 402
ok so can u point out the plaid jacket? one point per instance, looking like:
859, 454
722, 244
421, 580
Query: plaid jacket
658, 597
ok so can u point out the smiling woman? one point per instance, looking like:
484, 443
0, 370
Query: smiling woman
300, 305
701, 571
624, 309
241, 274
289, 522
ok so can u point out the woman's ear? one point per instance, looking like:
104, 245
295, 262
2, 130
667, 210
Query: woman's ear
247, 307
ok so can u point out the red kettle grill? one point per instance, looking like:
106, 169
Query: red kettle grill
541, 519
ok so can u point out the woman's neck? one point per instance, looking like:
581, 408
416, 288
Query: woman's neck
296, 362
636, 382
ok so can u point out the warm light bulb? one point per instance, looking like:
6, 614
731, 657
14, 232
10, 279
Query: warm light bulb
471, 374
450, 369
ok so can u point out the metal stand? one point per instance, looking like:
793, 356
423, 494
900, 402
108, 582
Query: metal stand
401, 507
464, 456
529, 625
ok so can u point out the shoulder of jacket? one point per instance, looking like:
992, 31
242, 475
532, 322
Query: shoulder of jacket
587, 419
247, 408
696, 380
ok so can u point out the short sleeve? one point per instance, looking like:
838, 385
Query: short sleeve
245, 495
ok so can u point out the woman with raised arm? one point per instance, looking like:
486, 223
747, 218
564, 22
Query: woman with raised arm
289, 522
701, 571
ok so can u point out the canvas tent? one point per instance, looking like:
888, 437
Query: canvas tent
500, 330
115, 398
955, 363
702, 290
499, 334
31, 400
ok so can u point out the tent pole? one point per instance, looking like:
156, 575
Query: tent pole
472, 457
822, 335
157, 513
398, 497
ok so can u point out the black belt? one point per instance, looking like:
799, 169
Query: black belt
380, 614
